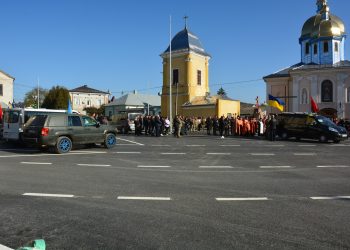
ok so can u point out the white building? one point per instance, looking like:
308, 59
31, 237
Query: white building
322, 74
6, 89
85, 97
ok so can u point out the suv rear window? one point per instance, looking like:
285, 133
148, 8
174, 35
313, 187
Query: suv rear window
37, 121
58, 121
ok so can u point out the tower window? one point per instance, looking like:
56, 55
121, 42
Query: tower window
304, 97
199, 77
325, 47
327, 91
1, 90
307, 48
175, 76
336, 47
315, 49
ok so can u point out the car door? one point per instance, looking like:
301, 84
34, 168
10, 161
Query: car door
92, 130
76, 129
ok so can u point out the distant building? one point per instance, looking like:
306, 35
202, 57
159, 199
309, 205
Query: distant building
6, 89
134, 103
84, 97
323, 72
190, 80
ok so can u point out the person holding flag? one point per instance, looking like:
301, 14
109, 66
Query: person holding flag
276, 102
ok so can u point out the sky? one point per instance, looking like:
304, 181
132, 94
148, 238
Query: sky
115, 45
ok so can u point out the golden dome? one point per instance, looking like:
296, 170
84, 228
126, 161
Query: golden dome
316, 26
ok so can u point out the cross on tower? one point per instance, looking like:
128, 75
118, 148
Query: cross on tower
186, 17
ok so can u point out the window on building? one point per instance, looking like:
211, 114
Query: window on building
348, 95
325, 47
199, 77
175, 76
1, 90
76, 100
327, 91
88, 102
304, 96
336, 47
315, 49
307, 48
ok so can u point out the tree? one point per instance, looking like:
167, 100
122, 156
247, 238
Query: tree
31, 97
57, 98
221, 92
94, 110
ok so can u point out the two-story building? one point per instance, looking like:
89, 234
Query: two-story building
6, 88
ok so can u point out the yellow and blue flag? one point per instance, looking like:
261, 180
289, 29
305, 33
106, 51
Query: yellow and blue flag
276, 102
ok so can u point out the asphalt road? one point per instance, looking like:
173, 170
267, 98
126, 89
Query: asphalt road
195, 192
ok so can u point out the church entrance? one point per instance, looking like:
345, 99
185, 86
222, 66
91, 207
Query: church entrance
328, 112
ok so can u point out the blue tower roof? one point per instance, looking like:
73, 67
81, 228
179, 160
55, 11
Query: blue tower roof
186, 41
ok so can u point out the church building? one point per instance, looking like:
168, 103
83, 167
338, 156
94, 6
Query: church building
323, 73
190, 80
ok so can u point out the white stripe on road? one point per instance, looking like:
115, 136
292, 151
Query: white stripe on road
195, 145
172, 153
305, 154
134, 142
127, 152
218, 153
142, 166
93, 165
262, 154
339, 145
215, 167
331, 198
144, 198
40, 155
339, 166
36, 163
272, 167
306, 145
49, 195
160, 145
243, 199
2, 247
230, 145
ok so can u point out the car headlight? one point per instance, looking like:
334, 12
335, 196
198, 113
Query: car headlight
333, 129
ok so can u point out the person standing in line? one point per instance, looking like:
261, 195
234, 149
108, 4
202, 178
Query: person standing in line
273, 128
215, 125
167, 125
209, 125
158, 125
222, 126
145, 124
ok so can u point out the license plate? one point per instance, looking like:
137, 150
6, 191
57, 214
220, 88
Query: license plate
31, 131
344, 136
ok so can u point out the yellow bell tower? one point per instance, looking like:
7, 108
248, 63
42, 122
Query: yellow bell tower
190, 76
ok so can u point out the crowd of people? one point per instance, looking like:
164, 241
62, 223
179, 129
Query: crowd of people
216, 126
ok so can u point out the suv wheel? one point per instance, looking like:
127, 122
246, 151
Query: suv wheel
110, 141
63, 145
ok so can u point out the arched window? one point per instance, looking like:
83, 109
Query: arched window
304, 96
327, 91
307, 48
325, 47
315, 49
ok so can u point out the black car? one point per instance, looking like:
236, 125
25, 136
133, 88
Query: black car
60, 132
309, 126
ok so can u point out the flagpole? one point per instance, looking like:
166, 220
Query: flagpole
170, 81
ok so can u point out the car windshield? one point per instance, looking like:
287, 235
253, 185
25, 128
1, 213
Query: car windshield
325, 121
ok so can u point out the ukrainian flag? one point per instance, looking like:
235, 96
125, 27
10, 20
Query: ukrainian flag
275, 102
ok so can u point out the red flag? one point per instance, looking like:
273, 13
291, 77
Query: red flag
314, 107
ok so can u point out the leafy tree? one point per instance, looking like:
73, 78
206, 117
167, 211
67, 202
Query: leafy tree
94, 110
31, 97
221, 92
56, 98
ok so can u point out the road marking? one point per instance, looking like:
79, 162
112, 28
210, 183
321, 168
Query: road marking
49, 195
142, 166
339, 166
262, 154
2, 247
243, 199
230, 145
160, 145
195, 145
121, 144
307, 145
134, 142
172, 153
215, 167
144, 198
93, 165
305, 154
339, 145
127, 152
218, 153
272, 167
331, 198
36, 163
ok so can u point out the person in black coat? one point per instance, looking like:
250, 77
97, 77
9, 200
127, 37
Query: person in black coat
273, 128
222, 126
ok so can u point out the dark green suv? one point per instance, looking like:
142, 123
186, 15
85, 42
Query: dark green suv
60, 132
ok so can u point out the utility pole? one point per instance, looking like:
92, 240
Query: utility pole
170, 82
